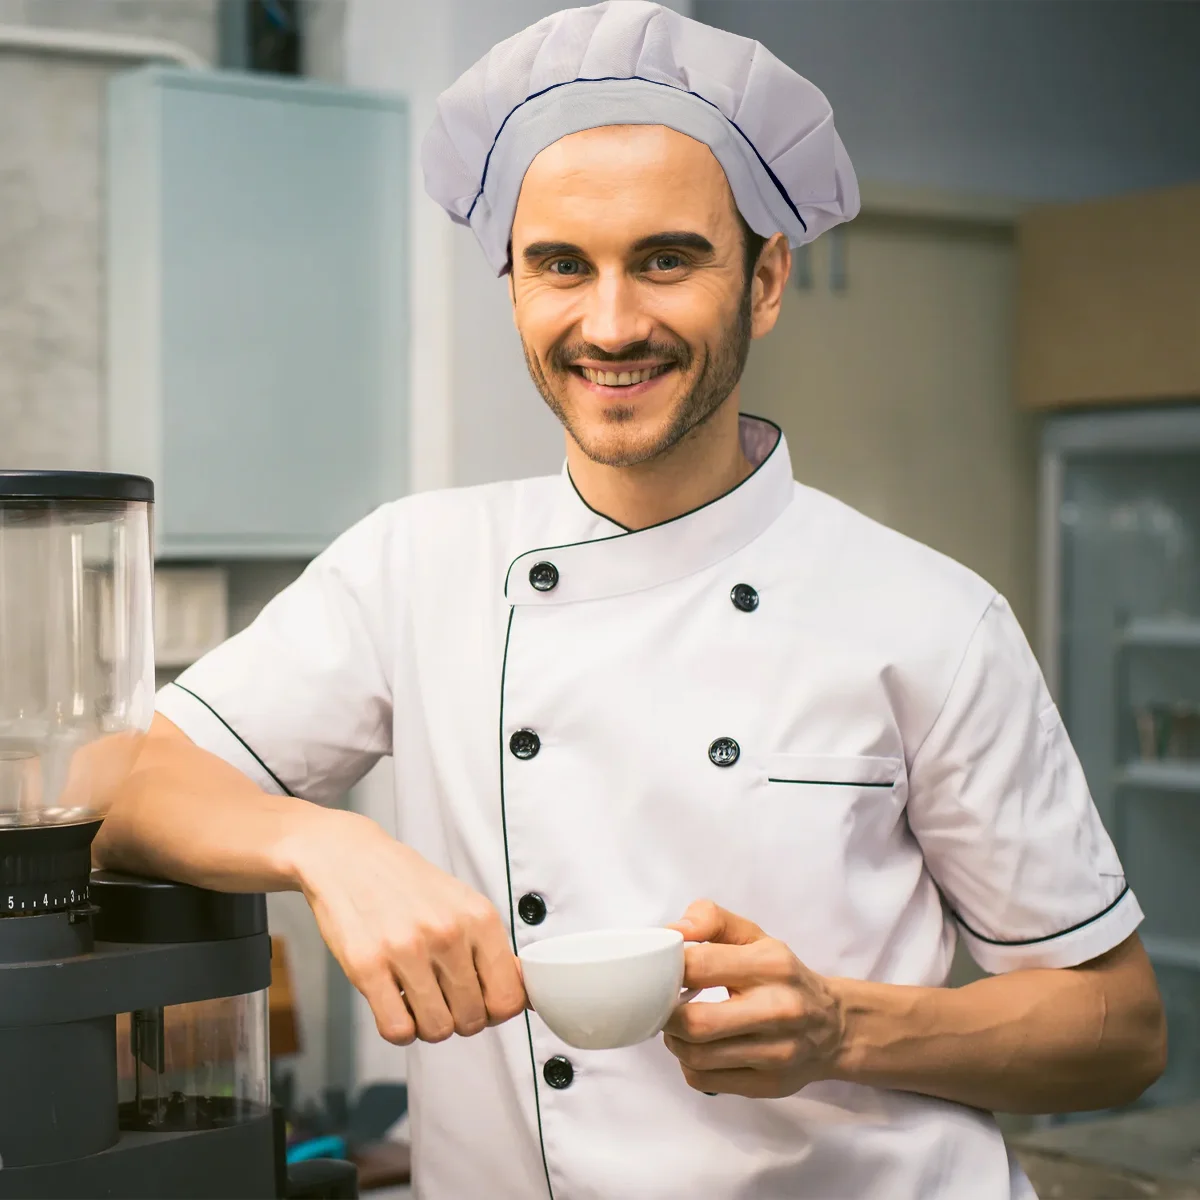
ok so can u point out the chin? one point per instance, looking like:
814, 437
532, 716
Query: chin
621, 438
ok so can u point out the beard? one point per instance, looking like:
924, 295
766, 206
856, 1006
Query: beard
712, 382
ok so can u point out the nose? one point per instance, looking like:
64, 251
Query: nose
612, 315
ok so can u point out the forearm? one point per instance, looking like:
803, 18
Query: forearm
1034, 1041
186, 815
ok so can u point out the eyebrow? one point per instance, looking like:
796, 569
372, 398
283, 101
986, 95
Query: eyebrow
670, 240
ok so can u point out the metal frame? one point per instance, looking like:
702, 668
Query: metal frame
1122, 431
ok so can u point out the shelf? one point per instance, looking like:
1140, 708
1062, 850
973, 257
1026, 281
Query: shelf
1166, 633
1173, 951
1164, 776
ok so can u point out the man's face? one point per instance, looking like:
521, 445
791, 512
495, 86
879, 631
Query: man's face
629, 288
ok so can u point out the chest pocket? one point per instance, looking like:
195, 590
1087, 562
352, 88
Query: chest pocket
834, 770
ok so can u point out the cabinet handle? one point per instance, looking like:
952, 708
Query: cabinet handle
802, 267
838, 271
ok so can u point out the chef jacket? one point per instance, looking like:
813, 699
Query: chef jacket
771, 701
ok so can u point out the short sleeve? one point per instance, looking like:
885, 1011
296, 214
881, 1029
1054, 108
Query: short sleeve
1000, 806
300, 701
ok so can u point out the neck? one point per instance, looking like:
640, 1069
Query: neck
704, 465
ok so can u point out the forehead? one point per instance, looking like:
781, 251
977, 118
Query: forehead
627, 180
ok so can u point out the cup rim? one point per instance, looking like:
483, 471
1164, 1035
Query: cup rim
657, 945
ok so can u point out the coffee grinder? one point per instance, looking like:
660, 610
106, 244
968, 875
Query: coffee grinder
134, 1057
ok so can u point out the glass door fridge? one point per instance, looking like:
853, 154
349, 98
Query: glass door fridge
1120, 645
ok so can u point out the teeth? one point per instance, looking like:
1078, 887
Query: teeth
621, 378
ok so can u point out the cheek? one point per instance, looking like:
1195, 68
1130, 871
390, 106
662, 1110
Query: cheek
543, 317
697, 315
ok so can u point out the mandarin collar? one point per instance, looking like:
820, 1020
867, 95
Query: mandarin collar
612, 561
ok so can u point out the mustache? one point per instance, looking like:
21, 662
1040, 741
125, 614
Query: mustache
676, 353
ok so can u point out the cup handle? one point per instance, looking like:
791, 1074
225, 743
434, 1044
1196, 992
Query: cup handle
689, 994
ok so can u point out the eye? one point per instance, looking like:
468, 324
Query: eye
666, 260
569, 268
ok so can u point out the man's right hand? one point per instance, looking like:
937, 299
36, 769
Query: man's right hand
431, 956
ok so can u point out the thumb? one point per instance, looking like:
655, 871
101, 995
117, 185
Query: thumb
705, 921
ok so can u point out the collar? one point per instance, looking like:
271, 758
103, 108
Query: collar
616, 562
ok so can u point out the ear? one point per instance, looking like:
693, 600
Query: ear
770, 282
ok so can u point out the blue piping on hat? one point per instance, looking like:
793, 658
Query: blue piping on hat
657, 83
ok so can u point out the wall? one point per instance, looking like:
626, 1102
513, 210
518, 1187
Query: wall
1053, 100
51, 124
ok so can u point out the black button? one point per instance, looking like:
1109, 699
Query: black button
543, 576
532, 908
524, 743
558, 1072
744, 597
724, 752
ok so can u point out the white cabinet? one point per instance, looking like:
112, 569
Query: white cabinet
257, 323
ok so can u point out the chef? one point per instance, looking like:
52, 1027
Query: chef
669, 685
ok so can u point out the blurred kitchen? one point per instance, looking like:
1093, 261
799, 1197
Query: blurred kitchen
218, 267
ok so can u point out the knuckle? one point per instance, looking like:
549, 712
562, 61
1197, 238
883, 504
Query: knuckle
407, 945
784, 1054
362, 966
436, 1031
441, 935
776, 956
506, 1005
398, 1032
790, 1008
483, 915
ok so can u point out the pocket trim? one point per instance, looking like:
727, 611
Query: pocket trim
834, 770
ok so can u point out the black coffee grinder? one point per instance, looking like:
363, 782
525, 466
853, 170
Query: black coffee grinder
134, 1056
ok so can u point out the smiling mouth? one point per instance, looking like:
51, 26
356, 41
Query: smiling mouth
621, 378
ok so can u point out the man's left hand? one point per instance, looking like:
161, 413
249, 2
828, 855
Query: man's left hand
780, 1029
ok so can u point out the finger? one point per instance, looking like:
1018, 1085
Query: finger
759, 1011
454, 968
758, 1085
423, 994
754, 1053
392, 1017
705, 921
499, 972
712, 964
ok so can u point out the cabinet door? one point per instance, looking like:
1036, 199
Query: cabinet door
893, 387
1109, 300
258, 251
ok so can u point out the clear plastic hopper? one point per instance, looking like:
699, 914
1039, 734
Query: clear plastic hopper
76, 641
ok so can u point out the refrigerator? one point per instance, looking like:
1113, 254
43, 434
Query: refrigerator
1120, 645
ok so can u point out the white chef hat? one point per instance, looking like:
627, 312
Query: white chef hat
627, 62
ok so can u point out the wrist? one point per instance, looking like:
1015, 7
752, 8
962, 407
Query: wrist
308, 840
876, 1019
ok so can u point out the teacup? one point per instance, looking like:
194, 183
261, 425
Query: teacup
607, 988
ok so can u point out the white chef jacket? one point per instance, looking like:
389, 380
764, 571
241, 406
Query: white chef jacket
900, 776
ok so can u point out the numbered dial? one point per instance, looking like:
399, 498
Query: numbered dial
44, 869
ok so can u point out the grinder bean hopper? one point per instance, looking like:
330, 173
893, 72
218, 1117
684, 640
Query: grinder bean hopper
134, 1055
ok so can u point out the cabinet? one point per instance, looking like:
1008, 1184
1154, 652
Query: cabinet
1121, 622
1108, 300
257, 323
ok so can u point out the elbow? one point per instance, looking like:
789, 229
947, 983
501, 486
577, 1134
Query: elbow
1145, 1059
1155, 1052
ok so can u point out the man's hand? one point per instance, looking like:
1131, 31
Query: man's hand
431, 956
781, 1027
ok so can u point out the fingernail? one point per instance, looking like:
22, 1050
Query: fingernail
684, 923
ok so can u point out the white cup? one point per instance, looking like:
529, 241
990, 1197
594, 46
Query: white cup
607, 988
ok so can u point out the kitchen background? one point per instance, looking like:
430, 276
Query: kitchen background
218, 265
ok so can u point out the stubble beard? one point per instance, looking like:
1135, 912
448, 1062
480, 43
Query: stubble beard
719, 372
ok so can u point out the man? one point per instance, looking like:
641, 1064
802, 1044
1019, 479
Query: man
668, 686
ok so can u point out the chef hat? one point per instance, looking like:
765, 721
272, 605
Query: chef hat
627, 62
